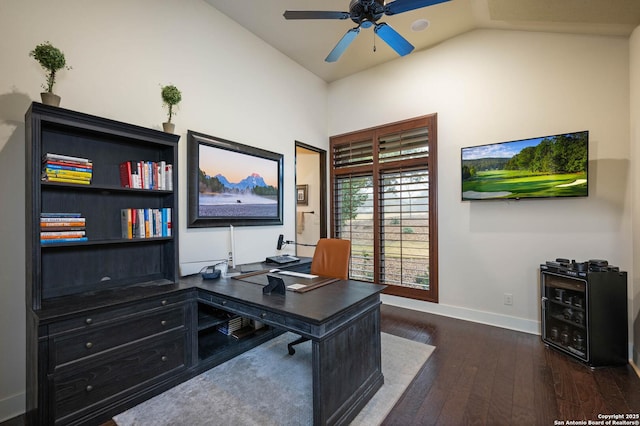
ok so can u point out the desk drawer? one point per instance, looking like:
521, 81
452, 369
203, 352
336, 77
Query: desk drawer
256, 313
78, 387
99, 316
71, 347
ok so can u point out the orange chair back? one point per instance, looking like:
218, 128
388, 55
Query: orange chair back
331, 258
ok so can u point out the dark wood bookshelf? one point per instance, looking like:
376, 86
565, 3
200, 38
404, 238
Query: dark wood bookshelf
106, 326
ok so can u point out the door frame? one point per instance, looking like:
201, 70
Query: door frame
323, 182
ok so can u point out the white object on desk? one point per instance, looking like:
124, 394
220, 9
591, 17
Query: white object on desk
298, 274
296, 286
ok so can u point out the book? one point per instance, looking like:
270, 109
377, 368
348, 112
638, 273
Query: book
71, 174
126, 180
141, 231
67, 158
78, 167
169, 224
169, 177
62, 224
62, 219
59, 215
145, 216
62, 240
65, 180
126, 224
162, 175
56, 228
62, 234
165, 227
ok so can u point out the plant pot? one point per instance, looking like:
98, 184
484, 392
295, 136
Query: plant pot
168, 127
49, 98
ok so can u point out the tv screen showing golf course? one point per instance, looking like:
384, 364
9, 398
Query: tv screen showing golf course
549, 166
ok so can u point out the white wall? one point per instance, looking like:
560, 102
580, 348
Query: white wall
634, 288
492, 86
234, 86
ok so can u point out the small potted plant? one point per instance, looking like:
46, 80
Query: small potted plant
52, 60
171, 96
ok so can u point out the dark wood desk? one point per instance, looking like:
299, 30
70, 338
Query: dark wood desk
341, 319
95, 355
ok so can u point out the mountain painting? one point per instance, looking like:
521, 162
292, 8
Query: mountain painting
233, 184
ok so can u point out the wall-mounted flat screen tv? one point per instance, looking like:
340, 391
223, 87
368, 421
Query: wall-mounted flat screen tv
543, 167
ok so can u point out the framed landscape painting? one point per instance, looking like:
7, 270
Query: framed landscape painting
232, 184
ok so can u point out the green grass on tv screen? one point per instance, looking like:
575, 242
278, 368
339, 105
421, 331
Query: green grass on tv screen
522, 184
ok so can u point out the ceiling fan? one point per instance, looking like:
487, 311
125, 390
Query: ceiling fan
366, 13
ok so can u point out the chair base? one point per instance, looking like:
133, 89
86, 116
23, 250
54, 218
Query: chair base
295, 342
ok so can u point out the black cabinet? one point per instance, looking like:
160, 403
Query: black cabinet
91, 369
584, 314
107, 325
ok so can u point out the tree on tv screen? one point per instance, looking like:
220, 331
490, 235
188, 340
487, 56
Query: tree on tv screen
557, 154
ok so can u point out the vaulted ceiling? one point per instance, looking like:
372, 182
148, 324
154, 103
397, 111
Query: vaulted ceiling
308, 42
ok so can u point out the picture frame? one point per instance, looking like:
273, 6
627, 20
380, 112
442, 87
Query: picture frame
230, 183
302, 195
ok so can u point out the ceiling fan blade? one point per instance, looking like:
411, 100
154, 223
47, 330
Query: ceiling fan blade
399, 6
393, 39
314, 14
342, 45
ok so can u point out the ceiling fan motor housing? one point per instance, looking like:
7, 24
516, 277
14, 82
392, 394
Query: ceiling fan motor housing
366, 12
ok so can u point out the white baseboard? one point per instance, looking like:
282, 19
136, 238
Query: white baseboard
12, 406
489, 318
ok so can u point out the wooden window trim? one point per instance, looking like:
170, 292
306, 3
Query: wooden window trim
374, 134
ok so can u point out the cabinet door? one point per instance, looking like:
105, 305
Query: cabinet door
564, 319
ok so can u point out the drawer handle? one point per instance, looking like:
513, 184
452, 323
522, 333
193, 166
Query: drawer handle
164, 302
88, 345
89, 388
88, 321
163, 323
164, 358
224, 302
263, 315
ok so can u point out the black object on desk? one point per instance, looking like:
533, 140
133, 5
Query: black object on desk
282, 260
276, 285
210, 273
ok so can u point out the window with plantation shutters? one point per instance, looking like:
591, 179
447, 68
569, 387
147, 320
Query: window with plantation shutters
383, 183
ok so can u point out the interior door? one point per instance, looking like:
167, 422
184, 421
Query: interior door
311, 198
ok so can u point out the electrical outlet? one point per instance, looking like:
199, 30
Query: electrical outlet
508, 299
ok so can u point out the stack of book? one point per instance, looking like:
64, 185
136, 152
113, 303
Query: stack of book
66, 169
145, 223
62, 228
146, 175
233, 325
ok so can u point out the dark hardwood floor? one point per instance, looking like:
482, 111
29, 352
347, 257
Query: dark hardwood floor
486, 375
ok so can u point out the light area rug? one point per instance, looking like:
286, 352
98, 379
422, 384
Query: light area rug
266, 386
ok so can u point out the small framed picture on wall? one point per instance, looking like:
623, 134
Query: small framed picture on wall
303, 194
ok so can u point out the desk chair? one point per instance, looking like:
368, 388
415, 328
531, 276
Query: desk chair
330, 259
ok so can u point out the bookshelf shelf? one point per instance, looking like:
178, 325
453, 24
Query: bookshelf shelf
151, 240
102, 188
